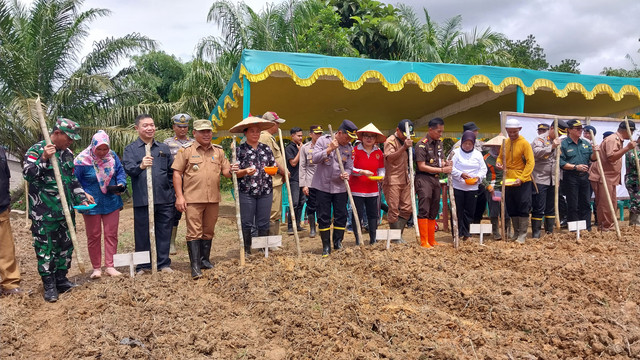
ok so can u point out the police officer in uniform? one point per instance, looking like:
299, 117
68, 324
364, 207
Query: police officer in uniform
307, 171
196, 180
542, 128
180, 139
431, 166
329, 183
543, 205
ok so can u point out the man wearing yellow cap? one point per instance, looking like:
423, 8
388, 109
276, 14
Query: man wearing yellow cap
196, 180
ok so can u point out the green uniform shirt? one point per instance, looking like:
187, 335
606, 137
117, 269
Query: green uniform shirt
575, 153
44, 199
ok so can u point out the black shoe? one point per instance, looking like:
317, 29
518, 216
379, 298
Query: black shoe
312, 226
62, 283
326, 242
50, 291
290, 229
194, 247
549, 224
205, 251
338, 235
373, 227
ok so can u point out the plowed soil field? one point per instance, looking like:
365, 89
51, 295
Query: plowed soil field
552, 298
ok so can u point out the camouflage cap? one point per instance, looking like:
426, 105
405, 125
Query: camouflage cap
181, 120
69, 127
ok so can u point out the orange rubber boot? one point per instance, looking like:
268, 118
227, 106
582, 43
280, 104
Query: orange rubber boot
423, 226
431, 228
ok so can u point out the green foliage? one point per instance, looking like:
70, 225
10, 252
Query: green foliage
568, 66
159, 72
325, 36
527, 54
634, 72
39, 56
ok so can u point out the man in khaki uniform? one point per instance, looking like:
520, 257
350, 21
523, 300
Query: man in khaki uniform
267, 138
396, 180
196, 180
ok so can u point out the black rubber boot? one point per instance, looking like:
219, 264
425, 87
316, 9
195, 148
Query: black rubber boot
549, 224
194, 247
515, 222
50, 291
205, 251
246, 236
289, 227
62, 283
536, 225
338, 235
312, 226
495, 228
400, 224
373, 226
325, 236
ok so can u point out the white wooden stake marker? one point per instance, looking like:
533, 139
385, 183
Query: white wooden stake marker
577, 226
480, 229
389, 234
265, 242
131, 260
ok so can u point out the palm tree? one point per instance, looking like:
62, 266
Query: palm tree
444, 43
39, 56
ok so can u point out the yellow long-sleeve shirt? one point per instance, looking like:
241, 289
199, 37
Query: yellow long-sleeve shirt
520, 159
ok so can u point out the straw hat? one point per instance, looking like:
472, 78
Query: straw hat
250, 121
496, 141
370, 128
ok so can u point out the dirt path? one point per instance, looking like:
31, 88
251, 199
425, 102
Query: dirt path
553, 298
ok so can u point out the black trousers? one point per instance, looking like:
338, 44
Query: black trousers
367, 206
481, 204
543, 202
578, 193
163, 216
326, 201
518, 199
298, 198
311, 203
465, 209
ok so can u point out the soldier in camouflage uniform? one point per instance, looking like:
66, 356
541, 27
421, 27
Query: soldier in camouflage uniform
631, 182
181, 139
51, 238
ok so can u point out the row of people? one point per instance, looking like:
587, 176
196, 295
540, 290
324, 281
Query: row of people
186, 178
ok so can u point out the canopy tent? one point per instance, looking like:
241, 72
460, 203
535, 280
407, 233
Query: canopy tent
308, 89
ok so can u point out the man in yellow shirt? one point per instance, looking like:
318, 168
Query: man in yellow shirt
519, 166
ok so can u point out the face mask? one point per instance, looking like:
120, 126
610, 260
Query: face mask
494, 151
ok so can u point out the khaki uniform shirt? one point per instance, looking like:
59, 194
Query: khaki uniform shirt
612, 170
545, 160
397, 171
201, 171
268, 139
307, 166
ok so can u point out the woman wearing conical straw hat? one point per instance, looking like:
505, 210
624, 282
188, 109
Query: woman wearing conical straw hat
368, 171
255, 187
492, 180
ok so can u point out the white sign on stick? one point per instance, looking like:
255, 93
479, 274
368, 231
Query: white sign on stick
131, 260
388, 234
265, 242
480, 229
577, 226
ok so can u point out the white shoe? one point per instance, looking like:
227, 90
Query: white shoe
275, 248
167, 270
140, 272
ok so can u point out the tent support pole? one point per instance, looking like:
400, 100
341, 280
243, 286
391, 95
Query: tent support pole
520, 100
246, 98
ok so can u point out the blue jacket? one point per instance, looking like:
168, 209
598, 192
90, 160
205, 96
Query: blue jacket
105, 203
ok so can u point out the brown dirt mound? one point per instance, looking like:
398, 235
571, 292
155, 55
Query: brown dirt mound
553, 298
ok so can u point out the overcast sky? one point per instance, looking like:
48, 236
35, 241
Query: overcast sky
597, 33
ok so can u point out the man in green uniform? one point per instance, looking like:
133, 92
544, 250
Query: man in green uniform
51, 238
631, 182
180, 139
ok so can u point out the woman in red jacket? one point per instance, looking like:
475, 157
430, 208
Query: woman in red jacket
368, 170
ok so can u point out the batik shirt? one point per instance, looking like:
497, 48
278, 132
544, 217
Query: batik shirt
44, 199
260, 182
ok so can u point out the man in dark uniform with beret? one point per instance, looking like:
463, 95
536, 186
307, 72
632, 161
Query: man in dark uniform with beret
328, 181
431, 166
